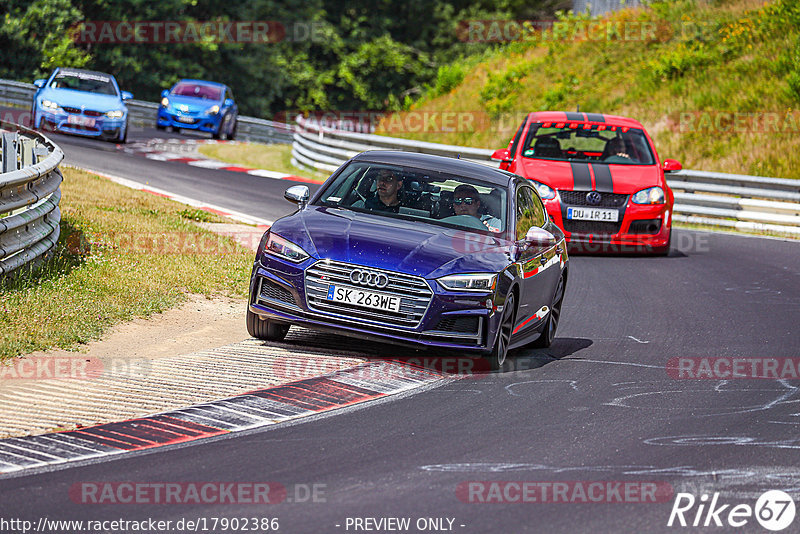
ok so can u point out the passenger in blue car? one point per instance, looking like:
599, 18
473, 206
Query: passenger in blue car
467, 201
387, 198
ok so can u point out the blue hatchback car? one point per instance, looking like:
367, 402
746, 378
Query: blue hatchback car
418, 250
199, 105
81, 102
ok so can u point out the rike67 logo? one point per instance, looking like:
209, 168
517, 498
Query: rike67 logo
774, 510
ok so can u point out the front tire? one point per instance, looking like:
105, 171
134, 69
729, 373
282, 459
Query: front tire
123, 138
500, 349
549, 333
267, 330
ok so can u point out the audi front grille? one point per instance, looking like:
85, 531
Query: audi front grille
414, 292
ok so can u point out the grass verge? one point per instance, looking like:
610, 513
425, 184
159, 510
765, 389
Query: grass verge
121, 254
718, 87
277, 157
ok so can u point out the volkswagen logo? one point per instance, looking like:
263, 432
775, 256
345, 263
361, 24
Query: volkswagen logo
594, 198
369, 278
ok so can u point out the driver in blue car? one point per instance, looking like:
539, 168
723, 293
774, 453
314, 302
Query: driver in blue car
389, 185
467, 201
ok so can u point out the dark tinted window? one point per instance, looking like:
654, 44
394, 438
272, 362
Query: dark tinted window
84, 81
206, 92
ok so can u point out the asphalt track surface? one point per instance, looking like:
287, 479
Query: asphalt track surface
598, 405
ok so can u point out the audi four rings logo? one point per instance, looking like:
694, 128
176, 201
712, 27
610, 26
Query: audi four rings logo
594, 198
369, 278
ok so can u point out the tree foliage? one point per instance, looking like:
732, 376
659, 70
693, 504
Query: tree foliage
355, 55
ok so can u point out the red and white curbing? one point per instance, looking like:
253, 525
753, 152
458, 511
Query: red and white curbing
366, 382
184, 151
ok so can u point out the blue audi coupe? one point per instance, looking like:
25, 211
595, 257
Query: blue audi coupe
418, 250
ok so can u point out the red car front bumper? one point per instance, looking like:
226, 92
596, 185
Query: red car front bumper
635, 233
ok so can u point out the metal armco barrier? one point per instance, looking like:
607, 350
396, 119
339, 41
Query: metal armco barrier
143, 114
29, 196
711, 198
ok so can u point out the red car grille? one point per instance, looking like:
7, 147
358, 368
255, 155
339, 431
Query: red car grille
607, 200
592, 227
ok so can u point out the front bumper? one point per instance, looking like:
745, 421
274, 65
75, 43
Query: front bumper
189, 121
453, 321
100, 126
643, 229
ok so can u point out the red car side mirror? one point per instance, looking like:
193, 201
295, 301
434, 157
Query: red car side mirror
671, 165
502, 155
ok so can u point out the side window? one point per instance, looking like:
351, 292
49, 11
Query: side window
530, 211
513, 150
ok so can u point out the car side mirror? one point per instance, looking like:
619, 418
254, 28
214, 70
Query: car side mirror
165, 93
39, 83
228, 102
671, 165
126, 95
502, 155
539, 237
297, 194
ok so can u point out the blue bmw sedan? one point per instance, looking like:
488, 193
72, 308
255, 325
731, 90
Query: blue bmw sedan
199, 105
81, 102
418, 250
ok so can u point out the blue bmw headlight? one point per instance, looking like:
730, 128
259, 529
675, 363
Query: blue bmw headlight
284, 249
50, 105
115, 114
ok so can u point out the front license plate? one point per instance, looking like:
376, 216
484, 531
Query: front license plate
589, 214
185, 119
364, 299
81, 120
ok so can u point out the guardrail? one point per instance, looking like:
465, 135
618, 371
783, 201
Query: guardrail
143, 114
712, 198
29, 197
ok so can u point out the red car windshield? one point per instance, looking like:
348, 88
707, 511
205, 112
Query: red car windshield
577, 141
206, 92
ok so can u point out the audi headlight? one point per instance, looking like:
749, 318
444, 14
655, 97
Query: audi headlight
469, 282
50, 105
213, 110
651, 195
285, 249
165, 102
545, 191
115, 114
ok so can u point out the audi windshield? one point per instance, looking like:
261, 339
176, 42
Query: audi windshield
416, 194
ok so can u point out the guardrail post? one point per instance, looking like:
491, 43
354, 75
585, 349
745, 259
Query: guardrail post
9, 150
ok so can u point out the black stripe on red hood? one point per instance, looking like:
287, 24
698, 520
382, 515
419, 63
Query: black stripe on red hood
602, 178
581, 177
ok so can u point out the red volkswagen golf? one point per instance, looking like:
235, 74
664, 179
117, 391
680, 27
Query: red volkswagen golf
600, 178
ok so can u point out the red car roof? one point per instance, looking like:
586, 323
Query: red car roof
579, 116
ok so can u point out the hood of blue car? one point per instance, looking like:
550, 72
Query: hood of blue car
77, 99
193, 104
410, 247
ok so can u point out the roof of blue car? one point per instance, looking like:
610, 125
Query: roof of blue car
454, 166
